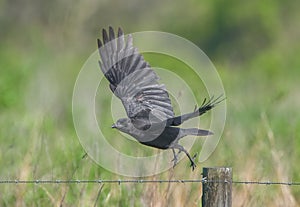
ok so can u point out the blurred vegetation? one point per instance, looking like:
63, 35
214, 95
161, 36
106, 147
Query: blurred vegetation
253, 44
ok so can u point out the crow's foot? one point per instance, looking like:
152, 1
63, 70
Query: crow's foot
175, 159
193, 165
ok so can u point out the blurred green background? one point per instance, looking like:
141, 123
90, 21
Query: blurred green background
253, 44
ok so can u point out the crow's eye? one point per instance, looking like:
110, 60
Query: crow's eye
124, 123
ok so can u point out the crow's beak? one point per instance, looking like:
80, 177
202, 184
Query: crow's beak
113, 126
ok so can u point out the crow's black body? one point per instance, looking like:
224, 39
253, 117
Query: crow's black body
151, 119
165, 139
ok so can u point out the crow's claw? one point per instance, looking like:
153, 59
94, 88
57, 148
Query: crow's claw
195, 109
175, 160
193, 165
84, 156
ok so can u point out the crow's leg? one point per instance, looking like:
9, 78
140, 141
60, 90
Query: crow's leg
175, 159
181, 148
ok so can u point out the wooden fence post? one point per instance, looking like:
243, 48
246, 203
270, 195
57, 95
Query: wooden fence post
217, 189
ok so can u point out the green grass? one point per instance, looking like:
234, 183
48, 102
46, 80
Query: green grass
260, 142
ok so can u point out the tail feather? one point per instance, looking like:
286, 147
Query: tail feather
206, 106
196, 132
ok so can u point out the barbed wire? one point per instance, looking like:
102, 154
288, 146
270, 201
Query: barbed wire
203, 180
266, 183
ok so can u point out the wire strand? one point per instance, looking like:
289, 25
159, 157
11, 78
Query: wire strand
203, 180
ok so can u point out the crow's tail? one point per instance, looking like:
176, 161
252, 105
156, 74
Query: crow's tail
206, 106
195, 132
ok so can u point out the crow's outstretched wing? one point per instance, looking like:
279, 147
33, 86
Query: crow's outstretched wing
132, 80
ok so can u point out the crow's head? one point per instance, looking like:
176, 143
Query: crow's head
123, 125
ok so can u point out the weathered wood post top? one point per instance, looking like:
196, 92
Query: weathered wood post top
217, 187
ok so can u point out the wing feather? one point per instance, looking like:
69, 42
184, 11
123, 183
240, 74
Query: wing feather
131, 78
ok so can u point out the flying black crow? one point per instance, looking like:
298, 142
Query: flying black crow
151, 119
